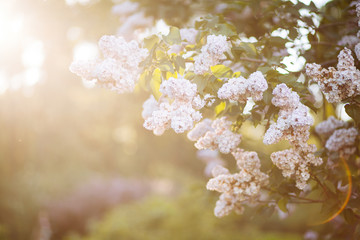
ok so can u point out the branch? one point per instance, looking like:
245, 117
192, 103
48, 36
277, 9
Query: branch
307, 199
334, 24
321, 185
252, 60
324, 43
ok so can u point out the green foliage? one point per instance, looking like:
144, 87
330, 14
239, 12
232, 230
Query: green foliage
188, 216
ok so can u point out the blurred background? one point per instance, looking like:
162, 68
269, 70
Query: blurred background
76, 163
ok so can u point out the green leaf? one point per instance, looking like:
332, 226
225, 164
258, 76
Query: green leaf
166, 66
277, 41
357, 232
330, 186
155, 83
179, 62
236, 74
221, 71
173, 37
293, 33
282, 204
201, 83
220, 107
249, 49
353, 111
225, 29
349, 216
149, 42
144, 80
267, 96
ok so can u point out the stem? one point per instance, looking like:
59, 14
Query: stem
252, 60
324, 43
294, 202
321, 185
307, 199
334, 24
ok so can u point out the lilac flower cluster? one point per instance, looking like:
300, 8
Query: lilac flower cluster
293, 124
214, 135
240, 187
177, 108
337, 84
211, 53
239, 89
119, 70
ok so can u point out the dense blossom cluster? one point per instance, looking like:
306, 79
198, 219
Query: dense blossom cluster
358, 14
211, 158
327, 127
177, 108
211, 53
342, 140
214, 135
132, 18
239, 89
349, 41
337, 137
295, 162
337, 84
119, 70
237, 188
357, 47
188, 35
293, 124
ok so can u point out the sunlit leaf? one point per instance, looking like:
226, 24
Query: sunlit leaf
149, 42
173, 37
220, 107
155, 83
282, 204
166, 66
221, 71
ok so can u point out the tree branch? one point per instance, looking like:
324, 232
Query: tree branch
252, 60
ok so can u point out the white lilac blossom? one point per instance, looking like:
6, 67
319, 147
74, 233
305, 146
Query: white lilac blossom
239, 89
295, 163
132, 23
337, 84
200, 130
211, 158
189, 35
132, 19
149, 106
342, 140
326, 128
293, 124
177, 108
311, 235
218, 135
119, 68
358, 15
357, 51
240, 187
294, 121
211, 53
125, 8
349, 41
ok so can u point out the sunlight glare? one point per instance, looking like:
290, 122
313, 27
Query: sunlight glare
85, 50
33, 55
